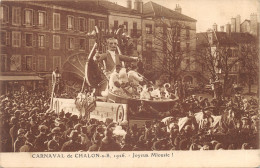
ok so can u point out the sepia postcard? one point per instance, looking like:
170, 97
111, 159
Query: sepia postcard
129, 83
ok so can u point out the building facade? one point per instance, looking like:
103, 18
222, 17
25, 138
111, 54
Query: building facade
225, 53
37, 37
130, 19
154, 18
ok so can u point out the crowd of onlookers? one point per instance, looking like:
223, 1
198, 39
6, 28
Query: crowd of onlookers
28, 125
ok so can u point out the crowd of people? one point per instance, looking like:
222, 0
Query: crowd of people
28, 126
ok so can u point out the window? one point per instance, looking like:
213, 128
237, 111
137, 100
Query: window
28, 17
16, 16
101, 24
41, 63
115, 24
3, 63
56, 62
70, 25
91, 25
56, 21
41, 18
3, 38
41, 41
4, 16
148, 29
28, 40
15, 63
188, 32
71, 43
82, 24
91, 43
82, 44
16, 39
28, 63
56, 42
126, 26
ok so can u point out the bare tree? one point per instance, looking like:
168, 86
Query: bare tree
218, 59
250, 63
167, 45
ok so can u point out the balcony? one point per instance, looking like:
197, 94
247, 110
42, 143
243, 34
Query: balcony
135, 33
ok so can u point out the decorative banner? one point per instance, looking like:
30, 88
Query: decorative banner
15, 63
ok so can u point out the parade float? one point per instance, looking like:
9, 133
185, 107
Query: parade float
122, 108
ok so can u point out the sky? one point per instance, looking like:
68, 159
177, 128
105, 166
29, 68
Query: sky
208, 12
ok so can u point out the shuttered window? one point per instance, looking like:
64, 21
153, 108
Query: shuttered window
16, 39
41, 63
70, 22
56, 21
56, 42
16, 16
91, 25
56, 62
28, 39
41, 40
28, 17
4, 14
82, 24
41, 18
3, 63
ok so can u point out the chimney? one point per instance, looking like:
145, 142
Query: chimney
233, 24
253, 24
215, 27
138, 5
178, 8
238, 22
228, 28
129, 4
222, 28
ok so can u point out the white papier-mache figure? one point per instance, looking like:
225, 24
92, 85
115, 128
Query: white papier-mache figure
145, 94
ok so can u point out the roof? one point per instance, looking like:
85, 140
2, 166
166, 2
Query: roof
151, 9
117, 8
202, 39
91, 6
242, 37
246, 20
224, 38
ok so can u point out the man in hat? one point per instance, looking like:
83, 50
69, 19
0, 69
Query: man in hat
28, 146
111, 58
14, 130
20, 141
72, 145
41, 138
56, 136
108, 143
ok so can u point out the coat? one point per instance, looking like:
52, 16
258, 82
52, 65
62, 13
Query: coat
110, 64
71, 146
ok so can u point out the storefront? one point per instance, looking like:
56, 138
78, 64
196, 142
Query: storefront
12, 84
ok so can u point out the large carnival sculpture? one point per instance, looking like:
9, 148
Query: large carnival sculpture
95, 80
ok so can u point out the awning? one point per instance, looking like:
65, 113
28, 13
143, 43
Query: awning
19, 78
